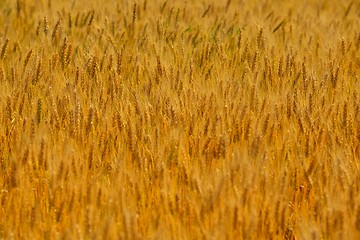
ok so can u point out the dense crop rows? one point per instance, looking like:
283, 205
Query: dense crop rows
179, 119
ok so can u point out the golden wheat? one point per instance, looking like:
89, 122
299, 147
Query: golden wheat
179, 120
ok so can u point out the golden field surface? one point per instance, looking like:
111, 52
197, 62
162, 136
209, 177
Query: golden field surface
179, 119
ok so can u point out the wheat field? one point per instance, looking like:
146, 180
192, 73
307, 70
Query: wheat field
172, 119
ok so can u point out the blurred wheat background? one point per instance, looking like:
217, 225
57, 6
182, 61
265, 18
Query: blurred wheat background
179, 119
